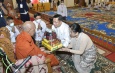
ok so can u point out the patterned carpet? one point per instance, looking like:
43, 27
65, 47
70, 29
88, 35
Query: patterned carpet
111, 57
102, 65
103, 51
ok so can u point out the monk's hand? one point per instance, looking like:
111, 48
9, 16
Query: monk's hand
47, 60
42, 48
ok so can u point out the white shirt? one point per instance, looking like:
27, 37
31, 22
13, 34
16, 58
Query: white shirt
96, 6
39, 33
62, 33
99, 5
103, 5
108, 7
89, 6
12, 34
87, 2
62, 10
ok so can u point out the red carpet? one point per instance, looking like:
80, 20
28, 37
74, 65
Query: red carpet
111, 57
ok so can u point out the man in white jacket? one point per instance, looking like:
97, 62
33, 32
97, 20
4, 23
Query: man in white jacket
61, 29
13, 30
40, 28
62, 10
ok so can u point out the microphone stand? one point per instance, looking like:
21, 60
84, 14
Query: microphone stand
16, 68
22, 64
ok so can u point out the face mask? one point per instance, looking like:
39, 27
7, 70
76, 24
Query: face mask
38, 21
11, 24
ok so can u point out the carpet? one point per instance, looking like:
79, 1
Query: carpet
102, 65
102, 50
111, 57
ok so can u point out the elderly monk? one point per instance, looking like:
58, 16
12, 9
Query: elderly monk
25, 45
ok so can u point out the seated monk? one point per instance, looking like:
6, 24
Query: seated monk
25, 45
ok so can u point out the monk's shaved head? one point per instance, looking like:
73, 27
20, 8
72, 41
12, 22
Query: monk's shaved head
29, 27
28, 24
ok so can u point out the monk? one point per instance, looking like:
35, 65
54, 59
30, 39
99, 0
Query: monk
25, 45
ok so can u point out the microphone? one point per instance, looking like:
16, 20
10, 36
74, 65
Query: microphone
22, 64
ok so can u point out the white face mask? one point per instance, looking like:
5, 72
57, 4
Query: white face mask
38, 21
11, 24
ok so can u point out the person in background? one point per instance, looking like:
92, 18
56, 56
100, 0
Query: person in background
13, 30
103, 4
83, 49
96, 6
29, 4
58, 2
51, 4
62, 10
40, 28
23, 10
25, 45
54, 4
99, 5
9, 5
3, 11
108, 7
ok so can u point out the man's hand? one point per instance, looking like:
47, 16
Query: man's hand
0, 4
39, 27
13, 29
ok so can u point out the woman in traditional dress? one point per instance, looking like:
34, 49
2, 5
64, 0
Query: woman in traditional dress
83, 49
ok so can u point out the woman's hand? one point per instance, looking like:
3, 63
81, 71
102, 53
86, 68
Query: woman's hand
65, 49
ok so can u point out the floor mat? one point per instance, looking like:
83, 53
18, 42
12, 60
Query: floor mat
102, 51
102, 65
111, 57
